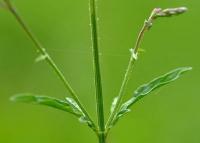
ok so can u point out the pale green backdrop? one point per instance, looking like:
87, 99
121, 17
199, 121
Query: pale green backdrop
169, 115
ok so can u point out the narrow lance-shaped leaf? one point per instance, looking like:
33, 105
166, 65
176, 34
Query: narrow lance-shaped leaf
145, 89
49, 101
68, 105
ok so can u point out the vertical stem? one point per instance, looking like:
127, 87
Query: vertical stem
48, 59
98, 85
102, 138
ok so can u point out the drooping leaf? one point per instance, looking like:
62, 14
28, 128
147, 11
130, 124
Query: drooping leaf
147, 88
67, 106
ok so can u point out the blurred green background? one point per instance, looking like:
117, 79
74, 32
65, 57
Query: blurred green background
169, 115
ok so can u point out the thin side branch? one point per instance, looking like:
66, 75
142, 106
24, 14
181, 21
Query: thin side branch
156, 13
47, 58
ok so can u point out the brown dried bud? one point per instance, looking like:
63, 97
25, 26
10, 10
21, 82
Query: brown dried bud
169, 12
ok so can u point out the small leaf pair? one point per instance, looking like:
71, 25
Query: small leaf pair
146, 89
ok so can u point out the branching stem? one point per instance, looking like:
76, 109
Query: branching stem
101, 130
48, 59
133, 58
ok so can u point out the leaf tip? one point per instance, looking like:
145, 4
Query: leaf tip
21, 98
185, 69
190, 68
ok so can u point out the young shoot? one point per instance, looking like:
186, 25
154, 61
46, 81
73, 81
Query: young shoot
72, 104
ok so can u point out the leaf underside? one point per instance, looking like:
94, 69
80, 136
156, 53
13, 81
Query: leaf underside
147, 88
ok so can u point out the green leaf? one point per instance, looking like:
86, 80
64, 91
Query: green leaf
147, 88
73, 104
82, 118
68, 106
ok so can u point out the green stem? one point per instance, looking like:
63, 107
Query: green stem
157, 12
102, 138
121, 92
48, 59
98, 85
134, 53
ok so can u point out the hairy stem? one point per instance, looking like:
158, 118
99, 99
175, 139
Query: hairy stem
98, 85
48, 59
